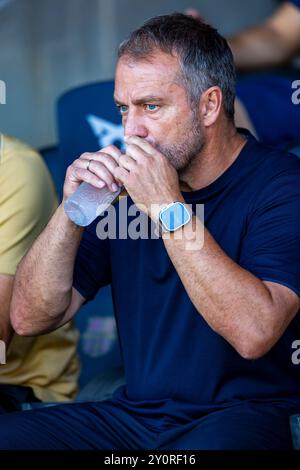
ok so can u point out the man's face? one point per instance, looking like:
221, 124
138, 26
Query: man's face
155, 106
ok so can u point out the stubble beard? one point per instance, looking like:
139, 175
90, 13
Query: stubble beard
182, 153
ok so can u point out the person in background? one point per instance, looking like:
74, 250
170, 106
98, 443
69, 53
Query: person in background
43, 368
207, 311
264, 55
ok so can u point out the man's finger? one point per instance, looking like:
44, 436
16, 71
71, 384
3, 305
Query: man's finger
111, 150
100, 156
136, 153
127, 162
98, 168
142, 143
80, 175
104, 159
121, 175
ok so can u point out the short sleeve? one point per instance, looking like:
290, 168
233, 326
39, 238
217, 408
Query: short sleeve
92, 268
271, 246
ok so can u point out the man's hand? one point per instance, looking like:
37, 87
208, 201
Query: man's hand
94, 168
148, 176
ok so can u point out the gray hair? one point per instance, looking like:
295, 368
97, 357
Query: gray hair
204, 55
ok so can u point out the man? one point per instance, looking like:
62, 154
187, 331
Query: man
265, 104
206, 331
43, 368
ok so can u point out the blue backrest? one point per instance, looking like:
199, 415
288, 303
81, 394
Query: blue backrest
87, 121
53, 159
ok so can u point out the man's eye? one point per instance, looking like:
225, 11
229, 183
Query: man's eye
122, 109
151, 107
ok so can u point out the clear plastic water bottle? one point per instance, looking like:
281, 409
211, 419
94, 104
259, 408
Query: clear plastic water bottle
88, 202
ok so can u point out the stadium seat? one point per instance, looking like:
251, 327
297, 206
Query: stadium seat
88, 120
54, 162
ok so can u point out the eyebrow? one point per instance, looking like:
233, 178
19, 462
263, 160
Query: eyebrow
142, 100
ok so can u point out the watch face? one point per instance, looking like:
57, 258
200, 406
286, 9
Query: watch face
174, 216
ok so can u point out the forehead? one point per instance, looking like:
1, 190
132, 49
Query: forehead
159, 74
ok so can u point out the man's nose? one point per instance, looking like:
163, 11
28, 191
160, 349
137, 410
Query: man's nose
133, 125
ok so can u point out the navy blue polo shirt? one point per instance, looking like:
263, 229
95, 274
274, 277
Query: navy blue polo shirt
177, 368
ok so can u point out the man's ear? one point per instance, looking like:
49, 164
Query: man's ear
210, 105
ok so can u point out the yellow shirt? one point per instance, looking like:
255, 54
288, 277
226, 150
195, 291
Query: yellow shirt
48, 364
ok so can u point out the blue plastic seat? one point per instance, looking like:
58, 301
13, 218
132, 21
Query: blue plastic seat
88, 120
53, 159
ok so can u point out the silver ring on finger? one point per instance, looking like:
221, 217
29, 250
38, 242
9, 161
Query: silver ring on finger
89, 163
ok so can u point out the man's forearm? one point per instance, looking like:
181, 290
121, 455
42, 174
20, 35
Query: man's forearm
273, 43
43, 283
258, 48
232, 301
